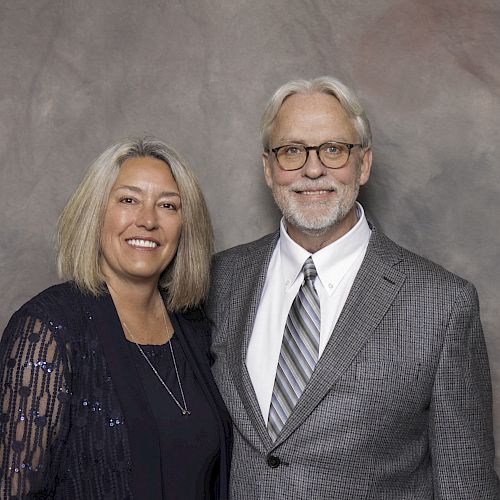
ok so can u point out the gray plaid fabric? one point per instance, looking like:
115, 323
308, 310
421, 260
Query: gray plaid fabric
399, 404
299, 351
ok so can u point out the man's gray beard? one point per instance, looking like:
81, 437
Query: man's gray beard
327, 214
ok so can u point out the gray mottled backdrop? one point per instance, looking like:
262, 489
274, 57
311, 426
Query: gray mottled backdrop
77, 75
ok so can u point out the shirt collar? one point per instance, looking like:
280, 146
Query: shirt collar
332, 262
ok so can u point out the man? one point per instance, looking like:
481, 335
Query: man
352, 368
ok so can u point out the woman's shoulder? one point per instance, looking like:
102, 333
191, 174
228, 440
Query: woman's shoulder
195, 327
196, 318
196, 315
54, 317
57, 305
55, 297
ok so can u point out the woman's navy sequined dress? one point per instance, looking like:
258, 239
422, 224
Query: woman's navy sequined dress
75, 421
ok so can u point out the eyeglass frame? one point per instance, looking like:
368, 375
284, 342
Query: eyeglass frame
316, 148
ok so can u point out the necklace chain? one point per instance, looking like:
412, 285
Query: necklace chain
183, 407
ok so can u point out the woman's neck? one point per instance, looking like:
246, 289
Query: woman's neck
142, 312
141, 298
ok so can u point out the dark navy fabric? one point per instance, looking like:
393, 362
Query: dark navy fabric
75, 420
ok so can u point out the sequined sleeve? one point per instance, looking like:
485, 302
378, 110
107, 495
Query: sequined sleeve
34, 385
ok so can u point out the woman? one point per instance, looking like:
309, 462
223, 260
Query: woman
106, 390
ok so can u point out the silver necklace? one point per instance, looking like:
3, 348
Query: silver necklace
183, 407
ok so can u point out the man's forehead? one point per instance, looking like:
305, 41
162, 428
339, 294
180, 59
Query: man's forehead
302, 115
309, 98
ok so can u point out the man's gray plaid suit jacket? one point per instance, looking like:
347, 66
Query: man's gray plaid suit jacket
399, 405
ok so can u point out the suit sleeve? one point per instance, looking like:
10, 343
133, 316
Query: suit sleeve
34, 392
461, 433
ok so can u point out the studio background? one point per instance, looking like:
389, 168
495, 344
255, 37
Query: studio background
76, 76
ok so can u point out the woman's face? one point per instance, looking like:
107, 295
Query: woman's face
142, 223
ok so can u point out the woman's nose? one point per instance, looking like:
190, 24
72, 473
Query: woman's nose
147, 218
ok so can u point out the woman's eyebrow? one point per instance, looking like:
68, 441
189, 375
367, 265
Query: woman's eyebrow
139, 190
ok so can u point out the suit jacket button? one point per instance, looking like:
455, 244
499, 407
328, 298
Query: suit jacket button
273, 461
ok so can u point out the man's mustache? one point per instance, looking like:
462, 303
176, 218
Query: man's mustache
315, 186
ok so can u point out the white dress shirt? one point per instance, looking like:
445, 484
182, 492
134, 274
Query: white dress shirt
337, 265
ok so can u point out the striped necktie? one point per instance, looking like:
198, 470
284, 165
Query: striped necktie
299, 352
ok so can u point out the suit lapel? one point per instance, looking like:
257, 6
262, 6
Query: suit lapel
247, 285
374, 289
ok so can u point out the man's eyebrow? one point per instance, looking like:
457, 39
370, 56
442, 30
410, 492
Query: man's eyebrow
289, 140
136, 189
286, 140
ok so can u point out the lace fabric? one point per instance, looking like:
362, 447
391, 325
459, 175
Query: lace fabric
61, 425
35, 388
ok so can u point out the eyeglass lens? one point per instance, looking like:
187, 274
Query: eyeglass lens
294, 156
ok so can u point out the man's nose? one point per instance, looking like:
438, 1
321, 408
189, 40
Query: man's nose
313, 167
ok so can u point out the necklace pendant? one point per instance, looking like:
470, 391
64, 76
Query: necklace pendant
184, 410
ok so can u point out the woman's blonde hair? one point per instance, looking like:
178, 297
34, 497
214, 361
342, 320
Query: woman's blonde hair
186, 278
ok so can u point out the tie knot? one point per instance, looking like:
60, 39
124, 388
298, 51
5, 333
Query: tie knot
309, 270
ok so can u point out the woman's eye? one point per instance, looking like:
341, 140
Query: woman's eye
127, 200
169, 206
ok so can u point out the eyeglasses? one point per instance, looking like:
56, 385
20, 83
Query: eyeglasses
331, 154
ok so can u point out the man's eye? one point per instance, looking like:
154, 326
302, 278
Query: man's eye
292, 150
332, 150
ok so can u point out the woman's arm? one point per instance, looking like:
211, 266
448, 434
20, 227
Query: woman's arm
34, 393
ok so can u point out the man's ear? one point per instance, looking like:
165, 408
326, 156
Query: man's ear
366, 166
266, 163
